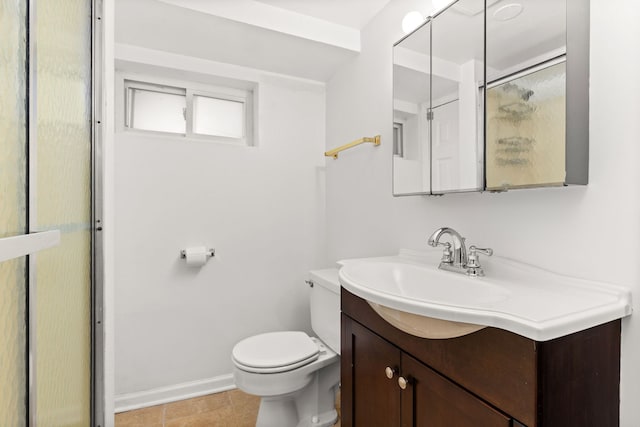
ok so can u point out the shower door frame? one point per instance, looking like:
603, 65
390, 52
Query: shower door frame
97, 203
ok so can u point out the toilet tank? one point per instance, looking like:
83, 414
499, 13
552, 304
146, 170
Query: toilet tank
325, 306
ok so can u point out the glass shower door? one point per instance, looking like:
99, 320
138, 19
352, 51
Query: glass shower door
63, 184
45, 186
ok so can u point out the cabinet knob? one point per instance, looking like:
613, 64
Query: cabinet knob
389, 372
403, 382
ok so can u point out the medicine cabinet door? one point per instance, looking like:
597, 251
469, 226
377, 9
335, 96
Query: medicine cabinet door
411, 106
457, 98
537, 124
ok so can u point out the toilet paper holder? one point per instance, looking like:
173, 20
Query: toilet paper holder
210, 253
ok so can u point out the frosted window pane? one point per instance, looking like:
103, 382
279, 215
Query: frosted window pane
12, 212
218, 117
158, 111
63, 188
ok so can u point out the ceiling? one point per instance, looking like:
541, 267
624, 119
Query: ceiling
350, 13
303, 38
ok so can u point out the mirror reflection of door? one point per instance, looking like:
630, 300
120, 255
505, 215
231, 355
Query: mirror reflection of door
457, 67
445, 122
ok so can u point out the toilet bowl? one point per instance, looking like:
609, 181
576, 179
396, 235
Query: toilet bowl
296, 375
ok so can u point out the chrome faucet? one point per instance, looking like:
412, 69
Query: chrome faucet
459, 250
458, 260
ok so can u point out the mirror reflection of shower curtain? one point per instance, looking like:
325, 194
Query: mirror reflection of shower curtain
526, 129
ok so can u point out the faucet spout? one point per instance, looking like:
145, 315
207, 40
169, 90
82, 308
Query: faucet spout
459, 249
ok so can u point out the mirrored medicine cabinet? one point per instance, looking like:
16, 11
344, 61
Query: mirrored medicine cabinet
492, 95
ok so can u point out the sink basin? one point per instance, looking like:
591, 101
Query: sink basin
424, 326
411, 293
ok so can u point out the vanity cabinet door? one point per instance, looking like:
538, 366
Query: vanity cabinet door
434, 401
369, 397
414, 396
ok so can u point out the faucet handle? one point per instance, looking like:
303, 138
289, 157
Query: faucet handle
447, 254
474, 268
473, 250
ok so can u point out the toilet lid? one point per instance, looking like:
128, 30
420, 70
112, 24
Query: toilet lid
275, 350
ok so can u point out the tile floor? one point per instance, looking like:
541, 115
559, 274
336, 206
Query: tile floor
229, 409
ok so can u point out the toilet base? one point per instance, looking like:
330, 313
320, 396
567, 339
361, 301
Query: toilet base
283, 413
311, 406
276, 412
326, 419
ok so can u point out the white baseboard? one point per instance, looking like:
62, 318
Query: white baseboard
158, 396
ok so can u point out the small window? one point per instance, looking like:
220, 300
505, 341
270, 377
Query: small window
223, 115
219, 117
157, 110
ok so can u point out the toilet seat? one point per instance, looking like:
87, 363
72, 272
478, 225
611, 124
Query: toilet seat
275, 352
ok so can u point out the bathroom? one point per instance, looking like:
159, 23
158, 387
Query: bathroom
279, 208
274, 227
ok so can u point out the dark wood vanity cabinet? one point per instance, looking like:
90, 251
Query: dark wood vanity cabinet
491, 378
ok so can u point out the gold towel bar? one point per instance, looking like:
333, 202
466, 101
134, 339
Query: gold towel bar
334, 153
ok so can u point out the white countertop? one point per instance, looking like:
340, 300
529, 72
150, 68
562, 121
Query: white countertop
529, 301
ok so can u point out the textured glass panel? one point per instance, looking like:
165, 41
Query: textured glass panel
158, 111
12, 343
218, 117
63, 202
63, 334
526, 130
12, 212
12, 118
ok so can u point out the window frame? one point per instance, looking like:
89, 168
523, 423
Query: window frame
189, 90
131, 85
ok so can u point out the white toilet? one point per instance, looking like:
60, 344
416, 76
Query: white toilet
296, 376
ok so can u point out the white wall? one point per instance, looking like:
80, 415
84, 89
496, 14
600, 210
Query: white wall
261, 208
591, 231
